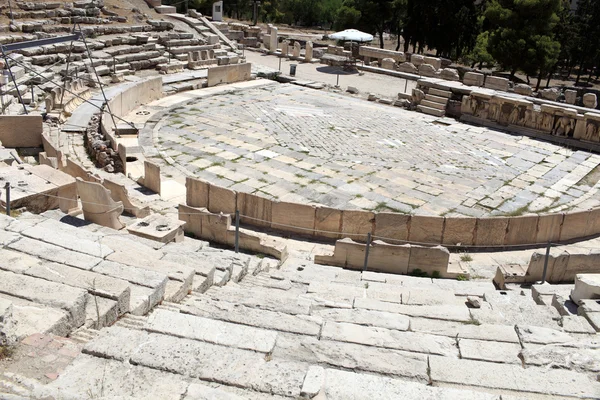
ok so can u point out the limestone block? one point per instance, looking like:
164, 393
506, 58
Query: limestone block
408, 67
589, 100
524, 89
286, 215
497, 83
8, 324
21, 130
381, 337
459, 231
51, 294
550, 94
256, 208
296, 50
392, 226
388, 258
593, 225
492, 376
152, 176
491, 231
98, 205
587, 286
388, 63
429, 259
427, 70
211, 331
284, 48
308, 56
582, 263
221, 200
473, 79
417, 59
356, 224
570, 96
328, 220
159, 228
273, 39
574, 225
433, 61
196, 194
449, 74
549, 227
425, 229
521, 230
229, 74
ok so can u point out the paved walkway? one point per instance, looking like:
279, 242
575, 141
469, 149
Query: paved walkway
365, 82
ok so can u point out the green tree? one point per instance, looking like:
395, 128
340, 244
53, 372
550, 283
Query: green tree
521, 35
479, 54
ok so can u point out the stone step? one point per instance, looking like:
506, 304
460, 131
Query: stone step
204, 306
84, 335
432, 104
33, 318
442, 312
206, 361
54, 253
132, 321
16, 386
431, 111
54, 295
390, 339
93, 377
266, 281
341, 385
309, 349
202, 263
211, 331
169, 306
492, 376
96, 284
461, 330
436, 99
101, 312
278, 301
440, 93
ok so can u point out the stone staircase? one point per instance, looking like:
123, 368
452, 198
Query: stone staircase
435, 102
305, 329
16, 387
65, 276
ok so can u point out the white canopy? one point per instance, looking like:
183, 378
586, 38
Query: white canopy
352, 35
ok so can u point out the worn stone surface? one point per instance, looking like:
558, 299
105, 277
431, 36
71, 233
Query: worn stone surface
211, 331
381, 337
445, 370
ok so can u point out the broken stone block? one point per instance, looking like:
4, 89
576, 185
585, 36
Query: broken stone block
523, 89
570, 96
587, 286
388, 63
550, 94
590, 100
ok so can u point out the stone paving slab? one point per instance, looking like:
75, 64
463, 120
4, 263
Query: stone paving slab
54, 253
447, 313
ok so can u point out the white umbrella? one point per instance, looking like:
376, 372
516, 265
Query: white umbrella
352, 35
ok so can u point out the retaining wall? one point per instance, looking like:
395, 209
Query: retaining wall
563, 264
328, 223
389, 258
130, 97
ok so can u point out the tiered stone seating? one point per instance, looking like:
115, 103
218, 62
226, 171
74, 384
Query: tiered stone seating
263, 331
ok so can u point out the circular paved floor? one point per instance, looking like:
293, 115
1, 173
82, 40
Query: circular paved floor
295, 144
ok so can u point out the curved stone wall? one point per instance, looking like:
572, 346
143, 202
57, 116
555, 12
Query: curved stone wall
329, 223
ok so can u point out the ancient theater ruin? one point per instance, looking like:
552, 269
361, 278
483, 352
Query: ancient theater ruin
199, 209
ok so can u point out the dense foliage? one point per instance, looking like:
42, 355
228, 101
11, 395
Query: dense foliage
534, 37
